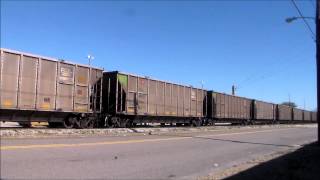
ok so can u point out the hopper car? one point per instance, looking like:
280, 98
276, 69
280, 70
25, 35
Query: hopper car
70, 95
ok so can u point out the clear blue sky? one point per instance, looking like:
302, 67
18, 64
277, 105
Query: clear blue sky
220, 42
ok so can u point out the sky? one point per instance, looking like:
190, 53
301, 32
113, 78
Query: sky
213, 44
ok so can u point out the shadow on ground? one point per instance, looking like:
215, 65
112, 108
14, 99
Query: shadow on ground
301, 164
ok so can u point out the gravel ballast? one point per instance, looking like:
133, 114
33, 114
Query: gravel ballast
39, 132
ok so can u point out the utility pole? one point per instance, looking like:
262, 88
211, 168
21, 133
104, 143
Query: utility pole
234, 90
90, 58
318, 66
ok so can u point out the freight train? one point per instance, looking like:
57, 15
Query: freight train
69, 95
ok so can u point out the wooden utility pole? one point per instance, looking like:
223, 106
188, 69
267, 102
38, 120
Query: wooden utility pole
318, 65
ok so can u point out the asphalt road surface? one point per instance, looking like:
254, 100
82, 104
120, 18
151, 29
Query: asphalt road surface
175, 156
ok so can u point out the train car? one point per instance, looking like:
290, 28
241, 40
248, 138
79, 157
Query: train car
297, 115
264, 111
38, 88
306, 116
129, 99
284, 113
313, 116
228, 108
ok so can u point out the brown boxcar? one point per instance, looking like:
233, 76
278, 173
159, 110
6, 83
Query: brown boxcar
297, 114
134, 99
227, 107
264, 111
306, 115
314, 116
37, 88
284, 113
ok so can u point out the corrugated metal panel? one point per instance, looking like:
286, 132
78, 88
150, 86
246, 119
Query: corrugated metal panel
297, 114
314, 116
152, 98
306, 115
9, 81
264, 110
65, 87
180, 100
187, 103
200, 97
47, 85
160, 98
174, 100
28, 82
81, 102
193, 102
142, 96
132, 95
167, 99
284, 113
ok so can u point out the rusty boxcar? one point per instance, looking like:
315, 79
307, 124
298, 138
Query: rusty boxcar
297, 114
37, 88
223, 107
284, 113
264, 111
129, 99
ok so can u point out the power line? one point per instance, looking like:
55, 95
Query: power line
304, 20
269, 74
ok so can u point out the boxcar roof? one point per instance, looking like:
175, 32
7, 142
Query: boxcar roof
46, 58
230, 95
264, 101
151, 78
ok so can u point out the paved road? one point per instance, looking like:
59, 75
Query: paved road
179, 156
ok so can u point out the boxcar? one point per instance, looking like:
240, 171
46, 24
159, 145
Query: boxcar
264, 111
297, 114
37, 88
130, 99
306, 115
228, 108
284, 113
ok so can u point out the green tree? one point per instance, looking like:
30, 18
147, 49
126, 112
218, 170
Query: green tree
291, 104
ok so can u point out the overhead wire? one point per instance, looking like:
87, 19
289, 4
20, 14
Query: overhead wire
251, 78
313, 35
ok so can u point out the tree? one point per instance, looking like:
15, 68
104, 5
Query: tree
291, 104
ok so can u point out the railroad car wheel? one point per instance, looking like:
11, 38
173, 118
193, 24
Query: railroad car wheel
69, 122
195, 123
114, 123
209, 123
86, 123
